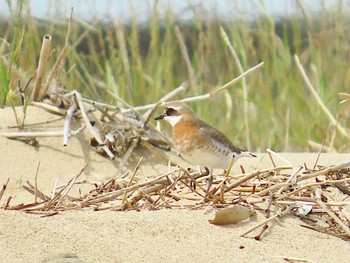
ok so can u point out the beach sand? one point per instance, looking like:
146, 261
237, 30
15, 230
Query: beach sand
168, 235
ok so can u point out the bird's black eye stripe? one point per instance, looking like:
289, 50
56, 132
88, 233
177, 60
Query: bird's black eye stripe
170, 112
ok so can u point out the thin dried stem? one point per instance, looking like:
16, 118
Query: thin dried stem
319, 101
44, 55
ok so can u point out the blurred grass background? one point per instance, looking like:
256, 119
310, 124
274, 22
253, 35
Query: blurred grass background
141, 62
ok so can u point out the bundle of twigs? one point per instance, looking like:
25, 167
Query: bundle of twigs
304, 192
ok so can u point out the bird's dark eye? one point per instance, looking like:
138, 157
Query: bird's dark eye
170, 112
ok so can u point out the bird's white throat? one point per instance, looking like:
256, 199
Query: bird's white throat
173, 120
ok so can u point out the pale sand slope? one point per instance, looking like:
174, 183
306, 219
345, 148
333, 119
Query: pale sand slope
146, 236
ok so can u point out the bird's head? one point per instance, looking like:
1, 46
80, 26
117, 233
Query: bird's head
174, 112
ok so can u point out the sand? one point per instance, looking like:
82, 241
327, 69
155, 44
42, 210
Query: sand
169, 235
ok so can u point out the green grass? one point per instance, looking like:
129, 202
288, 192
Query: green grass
141, 63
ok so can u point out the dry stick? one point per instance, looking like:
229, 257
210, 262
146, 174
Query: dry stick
49, 108
313, 184
196, 98
44, 54
56, 196
272, 188
124, 55
39, 134
183, 48
325, 171
36, 183
154, 150
267, 215
345, 96
31, 189
278, 168
319, 154
237, 78
271, 152
128, 153
244, 83
290, 179
114, 194
133, 176
330, 213
279, 215
67, 122
59, 59
164, 99
244, 179
221, 185
318, 146
90, 127
2, 191
72, 182
333, 121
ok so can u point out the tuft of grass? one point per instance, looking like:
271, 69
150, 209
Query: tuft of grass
143, 62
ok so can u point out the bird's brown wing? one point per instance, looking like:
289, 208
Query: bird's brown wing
207, 130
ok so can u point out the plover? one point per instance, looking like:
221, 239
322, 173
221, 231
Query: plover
198, 142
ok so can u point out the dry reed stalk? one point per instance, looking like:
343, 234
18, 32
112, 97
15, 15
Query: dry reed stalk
246, 178
327, 170
67, 122
133, 174
183, 48
330, 212
49, 108
276, 216
94, 133
235, 80
244, 83
44, 55
12, 135
34, 191
3, 189
319, 147
114, 194
319, 101
271, 152
59, 60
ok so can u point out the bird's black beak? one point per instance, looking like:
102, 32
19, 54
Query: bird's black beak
160, 117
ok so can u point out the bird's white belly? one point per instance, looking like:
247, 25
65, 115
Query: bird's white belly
208, 159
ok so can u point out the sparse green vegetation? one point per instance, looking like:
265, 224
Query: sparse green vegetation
141, 63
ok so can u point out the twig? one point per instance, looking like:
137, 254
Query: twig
89, 125
195, 98
325, 171
44, 55
244, 83
314, 184
319, 154
59, 59
330, 116
67, 122
180, 39
39, 134
271, 152
50, 108
278, 215
3, 189
330, 213
36, 183
237, 78
267, 215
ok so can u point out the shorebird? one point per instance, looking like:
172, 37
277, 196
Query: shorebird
198, 142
